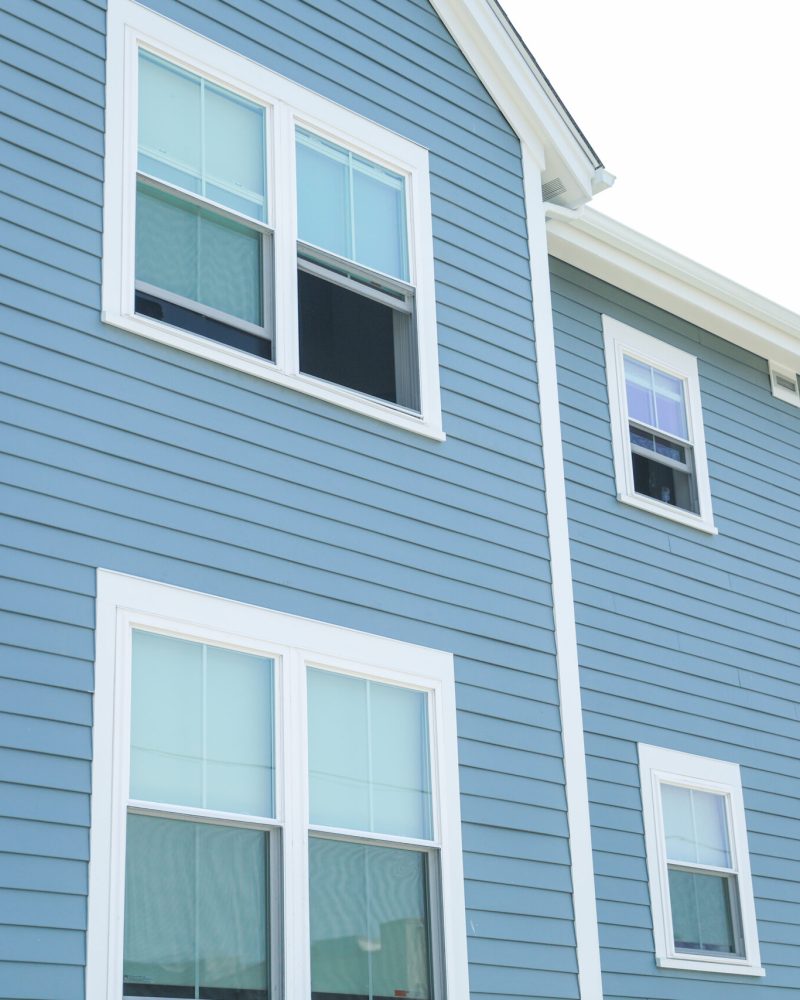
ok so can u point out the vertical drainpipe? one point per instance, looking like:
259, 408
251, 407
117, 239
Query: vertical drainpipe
577, 791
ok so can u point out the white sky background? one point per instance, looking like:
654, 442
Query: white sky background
695, 106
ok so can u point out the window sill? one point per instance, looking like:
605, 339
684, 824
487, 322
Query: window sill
670, 513
221, 354
728, 967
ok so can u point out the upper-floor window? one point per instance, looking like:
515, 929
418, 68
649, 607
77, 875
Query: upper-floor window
698, 863
657, 426
254, 222
275, 807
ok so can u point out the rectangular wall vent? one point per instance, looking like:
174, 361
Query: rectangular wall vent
784, 384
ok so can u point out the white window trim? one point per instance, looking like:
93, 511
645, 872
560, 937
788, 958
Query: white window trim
287, 104
125, 603
657, 765
620, 341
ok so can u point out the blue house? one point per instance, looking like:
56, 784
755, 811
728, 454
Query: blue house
400, 588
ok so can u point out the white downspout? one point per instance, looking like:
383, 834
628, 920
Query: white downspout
577, 791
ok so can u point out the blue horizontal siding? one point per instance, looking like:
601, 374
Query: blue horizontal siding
687, 641
122, 453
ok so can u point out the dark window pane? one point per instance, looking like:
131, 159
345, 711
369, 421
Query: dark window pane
195, 910
370, 924
702, 911
354, 341
187, 319
652, 479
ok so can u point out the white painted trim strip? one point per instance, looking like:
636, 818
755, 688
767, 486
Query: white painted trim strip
577, 789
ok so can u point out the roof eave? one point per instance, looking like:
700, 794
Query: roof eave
639, 265
524, 95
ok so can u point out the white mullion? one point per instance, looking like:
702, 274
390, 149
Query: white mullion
287, 350
297, 948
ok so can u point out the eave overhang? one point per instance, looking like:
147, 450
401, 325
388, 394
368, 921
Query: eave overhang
571, 171
611, 251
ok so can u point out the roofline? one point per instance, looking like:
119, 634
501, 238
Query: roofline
522, 92
643, 267
544, 82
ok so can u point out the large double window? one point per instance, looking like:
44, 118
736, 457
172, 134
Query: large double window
275, 807
252, 221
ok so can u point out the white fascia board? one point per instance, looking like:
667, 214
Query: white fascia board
633, 262
484, 35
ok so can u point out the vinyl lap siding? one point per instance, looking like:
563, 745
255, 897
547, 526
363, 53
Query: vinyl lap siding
686, 641
120, 453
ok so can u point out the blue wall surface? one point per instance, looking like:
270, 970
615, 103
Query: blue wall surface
687, 641
121, 453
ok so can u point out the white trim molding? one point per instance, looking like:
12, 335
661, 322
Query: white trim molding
639, 265
125, 603
623, 341
569, 687
659, 767
517, 85
132, 27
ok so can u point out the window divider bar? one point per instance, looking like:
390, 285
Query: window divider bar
200, 201
690, 866
202, 310
373, 839
167, 811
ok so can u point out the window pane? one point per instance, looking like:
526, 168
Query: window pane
639, 388
200, 137
234, 152
695, 826
370, 925
670, 404
702, 913
197, 255
368, 756
323, 195
350, 206
170, 103
379, 219
355, 341
201, 726
661, 482
196, 900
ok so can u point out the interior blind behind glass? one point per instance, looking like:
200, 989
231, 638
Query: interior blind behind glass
201, 137
202, 724
196, 904
197, 255
351, 207
369, 766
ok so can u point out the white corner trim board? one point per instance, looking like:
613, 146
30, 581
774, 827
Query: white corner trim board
577, 789
125, 603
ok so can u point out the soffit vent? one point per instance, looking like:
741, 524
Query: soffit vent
552, 189
784, 384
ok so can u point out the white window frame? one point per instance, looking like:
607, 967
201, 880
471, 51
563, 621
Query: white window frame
125, 603
287, 104
659, 766
623, 341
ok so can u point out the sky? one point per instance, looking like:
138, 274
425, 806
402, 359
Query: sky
694, 105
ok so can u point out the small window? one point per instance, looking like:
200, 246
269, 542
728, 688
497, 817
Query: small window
657, 426
255, 223
698, 864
